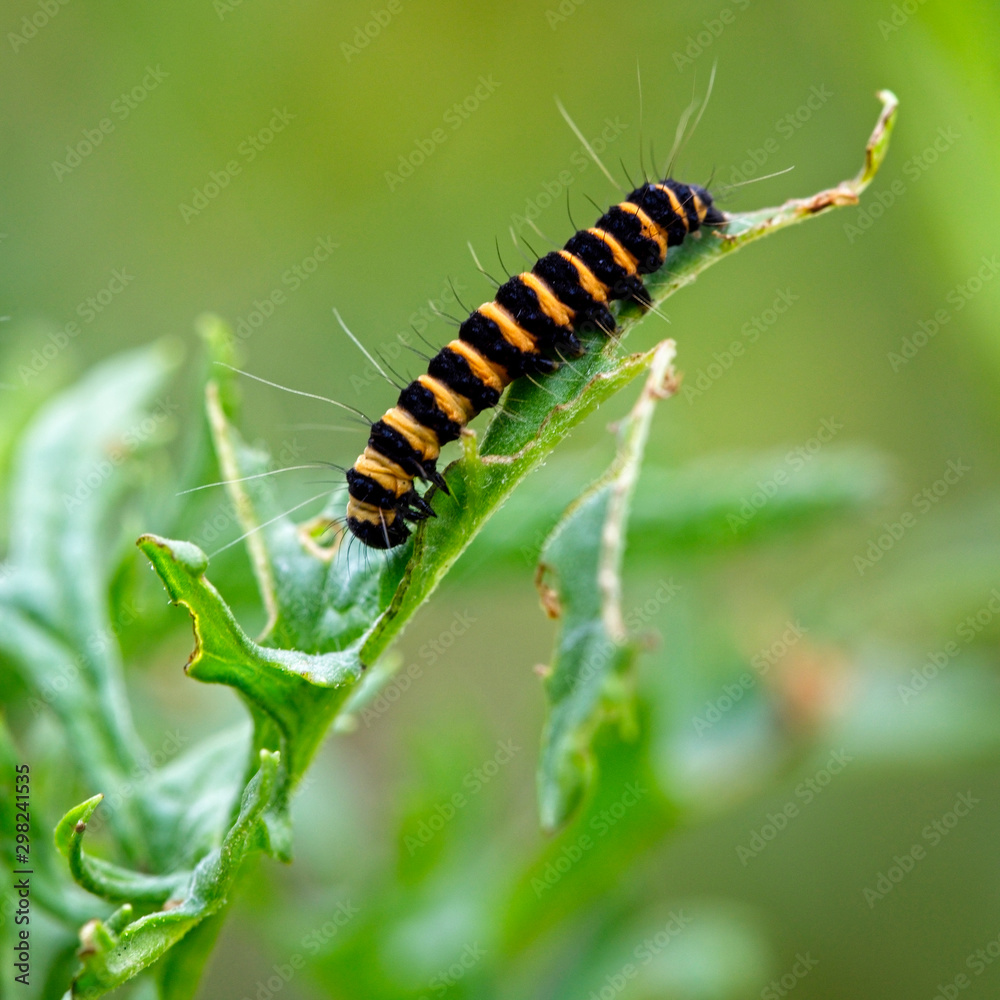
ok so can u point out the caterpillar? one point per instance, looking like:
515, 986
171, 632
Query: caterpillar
532, 324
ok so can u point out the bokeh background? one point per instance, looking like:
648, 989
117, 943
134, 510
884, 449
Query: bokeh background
783, 680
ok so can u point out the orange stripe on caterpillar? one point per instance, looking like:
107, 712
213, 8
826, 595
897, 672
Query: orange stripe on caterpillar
622, 257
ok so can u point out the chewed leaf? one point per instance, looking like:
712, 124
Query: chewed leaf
481, 482
589, 679
533, 420
114, 951
292, 696
330, 614
711, 503
312, 601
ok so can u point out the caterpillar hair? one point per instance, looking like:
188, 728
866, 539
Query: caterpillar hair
533, 322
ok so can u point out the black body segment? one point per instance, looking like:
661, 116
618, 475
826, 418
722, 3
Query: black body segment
564, 280
365, 489
529, 328
419, 401
627, 229
522, 303
454, 371
658, 205
378, 534
596, 253
388, 441
485, 336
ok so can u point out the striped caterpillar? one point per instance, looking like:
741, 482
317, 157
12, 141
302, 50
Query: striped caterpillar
531, 325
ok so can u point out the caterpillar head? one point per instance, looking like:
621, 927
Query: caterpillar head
376, 527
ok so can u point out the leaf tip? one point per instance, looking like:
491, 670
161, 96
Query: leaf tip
561, 797
185, 554
72, 826
878, 143
890, 102
216, 334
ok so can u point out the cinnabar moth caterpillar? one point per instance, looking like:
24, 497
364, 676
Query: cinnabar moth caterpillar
533, 322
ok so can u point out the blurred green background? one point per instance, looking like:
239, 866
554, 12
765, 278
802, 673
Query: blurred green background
162, 161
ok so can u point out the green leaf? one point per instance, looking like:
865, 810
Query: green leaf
115, 950
590, 677
519, 437
481, 482
179, 971
51, 889
696, 509
292, 696
316, 600
332, 612
533, 420
714, 951
326, 608
71, 472
194, 795
102, 878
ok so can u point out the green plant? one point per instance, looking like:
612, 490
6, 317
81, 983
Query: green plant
183, 830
